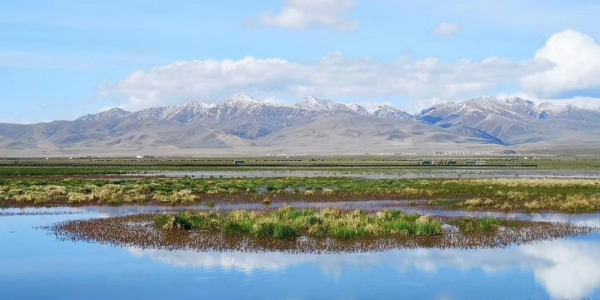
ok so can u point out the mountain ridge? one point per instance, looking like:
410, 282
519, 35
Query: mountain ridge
242, 122
312, 103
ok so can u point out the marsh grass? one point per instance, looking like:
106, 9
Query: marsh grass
139, 231
289, 223
472, 225
566, 195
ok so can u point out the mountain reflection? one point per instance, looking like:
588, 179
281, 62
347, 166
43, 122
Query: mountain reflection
566, 268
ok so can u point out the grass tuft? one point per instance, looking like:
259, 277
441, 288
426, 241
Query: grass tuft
290, 223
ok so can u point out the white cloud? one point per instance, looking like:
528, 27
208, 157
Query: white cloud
445, 30
333, 76
568, 66
576, 59
303, 14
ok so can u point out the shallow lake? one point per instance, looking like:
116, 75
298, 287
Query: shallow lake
385, 173
35, 265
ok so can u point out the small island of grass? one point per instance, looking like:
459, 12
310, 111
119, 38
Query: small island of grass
289, 223
309, 230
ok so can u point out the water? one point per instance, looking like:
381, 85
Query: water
384, 173
35, 265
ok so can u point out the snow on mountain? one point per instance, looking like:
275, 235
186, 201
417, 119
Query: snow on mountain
242, 101
511, 120
569, 112
183, 113
314, 103
239, 106
501, 118
359, 109
481, 108
389, 112
551, 107
242, 120
111, 114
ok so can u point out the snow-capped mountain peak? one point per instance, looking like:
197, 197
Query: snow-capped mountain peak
551, 107
242, 101
314, 103
389, 112
111, 114
310, 103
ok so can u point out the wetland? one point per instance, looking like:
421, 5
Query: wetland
530, 195
322, 233
37, 263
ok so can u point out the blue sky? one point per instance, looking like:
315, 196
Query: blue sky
62, 59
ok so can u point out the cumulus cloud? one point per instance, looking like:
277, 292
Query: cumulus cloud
565, 70
576, 59
303, 14
333, 76
445, 30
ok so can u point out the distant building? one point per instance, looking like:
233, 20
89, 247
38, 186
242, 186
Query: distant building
239, 162
509, 152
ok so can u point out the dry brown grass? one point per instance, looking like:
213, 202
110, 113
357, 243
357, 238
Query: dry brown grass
110, 193
550, 182
574, 203
75, 198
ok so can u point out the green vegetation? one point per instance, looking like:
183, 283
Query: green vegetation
565, 195
472, 225
289, 223
572, 196
352, 164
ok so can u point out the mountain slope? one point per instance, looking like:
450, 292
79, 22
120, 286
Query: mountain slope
512, 121
242, 123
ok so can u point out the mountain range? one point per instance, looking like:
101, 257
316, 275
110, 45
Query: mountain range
244, 124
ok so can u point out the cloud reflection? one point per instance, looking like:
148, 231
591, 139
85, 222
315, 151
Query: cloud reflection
566, 268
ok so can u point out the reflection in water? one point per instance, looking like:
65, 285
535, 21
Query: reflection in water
389, 173
566, 268
573, 270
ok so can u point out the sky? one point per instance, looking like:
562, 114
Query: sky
63, 59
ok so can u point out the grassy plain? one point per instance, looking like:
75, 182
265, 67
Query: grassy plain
565, 195
352, 164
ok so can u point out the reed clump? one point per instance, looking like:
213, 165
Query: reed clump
573, 203
289, 223
79, 198
110, 193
